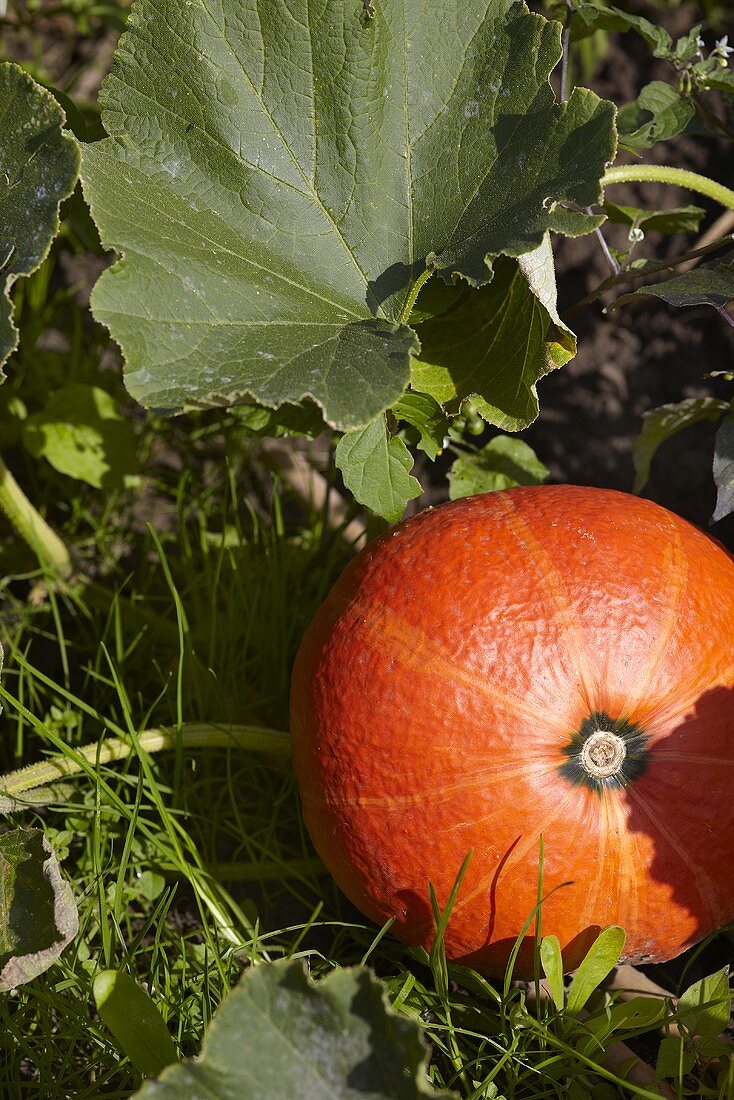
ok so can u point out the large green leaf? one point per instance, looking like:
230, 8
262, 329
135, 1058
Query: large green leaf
280, 1035
38, 917
278, 175
38, 168
497, 342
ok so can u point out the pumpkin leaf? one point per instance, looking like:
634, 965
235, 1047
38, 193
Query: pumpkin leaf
82, 434
376, 469
425, 414
135, 1021
275, 196
39, 170
344, 1042
724, 469
497, 343
552, 962
38, 916
705, 1007
501, 464
601, 958
663, 422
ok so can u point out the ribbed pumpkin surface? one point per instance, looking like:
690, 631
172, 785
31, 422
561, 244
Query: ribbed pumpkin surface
455, 686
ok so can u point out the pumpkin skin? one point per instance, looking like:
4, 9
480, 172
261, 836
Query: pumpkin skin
462, 677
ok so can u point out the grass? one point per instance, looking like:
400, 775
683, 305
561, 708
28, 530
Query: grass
190, 864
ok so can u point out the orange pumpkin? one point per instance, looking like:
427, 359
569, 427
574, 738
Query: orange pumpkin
554, 661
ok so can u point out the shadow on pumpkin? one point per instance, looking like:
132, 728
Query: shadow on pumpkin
681, 809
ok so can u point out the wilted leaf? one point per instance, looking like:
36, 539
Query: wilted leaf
661, 423
82, 434
724, 470
38, 168
376, 469
497, 342
38, 917
504, 462
280, 1035
276, 193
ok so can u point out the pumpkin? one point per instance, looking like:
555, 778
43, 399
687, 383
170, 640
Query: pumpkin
552, 662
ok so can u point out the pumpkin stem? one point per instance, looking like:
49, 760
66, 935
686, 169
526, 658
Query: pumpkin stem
603, 754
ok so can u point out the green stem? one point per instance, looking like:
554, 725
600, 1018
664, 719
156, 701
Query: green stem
190, 736
661, 173
414, 292
31, 526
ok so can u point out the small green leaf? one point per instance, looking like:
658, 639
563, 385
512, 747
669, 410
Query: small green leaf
680, 219
82, 434
705, 1007
134, 1020
659, 113
497, 343
376, 469
673, 1061
425, 414
552, 963
661, 423
601, 958
38, 916
724, 469
280, 1035
503, 463
38, 169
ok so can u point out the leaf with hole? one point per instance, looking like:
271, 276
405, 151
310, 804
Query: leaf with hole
38, 915
280, 1034
275, 196
38, 169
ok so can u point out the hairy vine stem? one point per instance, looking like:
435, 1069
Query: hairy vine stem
662, 173
189, 736
31, 526
414, 292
